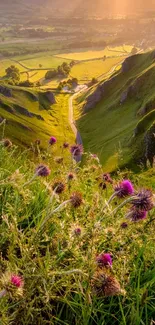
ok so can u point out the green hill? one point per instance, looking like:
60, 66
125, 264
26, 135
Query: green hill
117, 116
32, 114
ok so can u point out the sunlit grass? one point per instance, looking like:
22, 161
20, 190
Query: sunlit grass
57, 266
87, 54
85, 71
26, 130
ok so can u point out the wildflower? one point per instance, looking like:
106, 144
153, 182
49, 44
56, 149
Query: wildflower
58, 187
107, 178
103, 186
38, 142
76, 150
12, 284
77, 231
59, 160
104, 260
16, 280
65, 145
93, 168
124, 189
144, 200
42, 170
52, 140
70, 176
76, 199
124, 225
105, 285
95, 157
137, 215
7, 143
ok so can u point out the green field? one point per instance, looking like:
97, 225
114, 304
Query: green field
38, 64
47, 61
4, 64
30, 64
88, 55
86, 70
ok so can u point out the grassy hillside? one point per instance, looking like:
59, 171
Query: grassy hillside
110, 112
30, 115
49, 268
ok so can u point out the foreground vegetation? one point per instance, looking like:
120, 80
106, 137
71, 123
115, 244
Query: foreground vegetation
51, 270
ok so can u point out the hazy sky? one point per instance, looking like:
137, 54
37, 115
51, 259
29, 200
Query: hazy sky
117, 6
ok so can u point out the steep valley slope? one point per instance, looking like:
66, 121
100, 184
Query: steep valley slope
117, 116
32, 114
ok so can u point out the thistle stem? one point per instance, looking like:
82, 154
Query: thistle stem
30, 181
3, 293
122, 204
68, 272
108, 202
54, 211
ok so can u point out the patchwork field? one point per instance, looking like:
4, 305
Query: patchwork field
85, 71
88, 55
35, 66
47, 61
4, 64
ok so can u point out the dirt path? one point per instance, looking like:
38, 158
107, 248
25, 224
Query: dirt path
71, 119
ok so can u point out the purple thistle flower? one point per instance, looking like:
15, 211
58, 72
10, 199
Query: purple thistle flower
143, 200
65, 145
16, 280
58, 187
42, 171
76, 150
52, 140
77, 231
95, 157
70, 176
124, 189
76, 199
124, 225
104, 260
107, 178
104, 285
103, 186
138, 215
59, 160
7, 143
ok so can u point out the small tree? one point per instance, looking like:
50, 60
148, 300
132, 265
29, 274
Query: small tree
94, 81
13, 73
134, 50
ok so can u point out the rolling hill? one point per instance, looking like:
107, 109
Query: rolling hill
33, 114
116, 117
